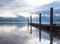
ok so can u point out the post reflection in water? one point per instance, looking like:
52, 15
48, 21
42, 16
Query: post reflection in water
51, 38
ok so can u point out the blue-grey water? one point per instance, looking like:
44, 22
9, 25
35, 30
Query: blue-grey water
18, 33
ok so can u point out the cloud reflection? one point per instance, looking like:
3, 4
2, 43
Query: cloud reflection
12, 34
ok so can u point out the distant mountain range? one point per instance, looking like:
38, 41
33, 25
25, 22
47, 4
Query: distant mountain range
47, 19
16, 19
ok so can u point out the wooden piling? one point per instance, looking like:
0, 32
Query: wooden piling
28, 23
51, 18
31, 25
51, 25
40, 27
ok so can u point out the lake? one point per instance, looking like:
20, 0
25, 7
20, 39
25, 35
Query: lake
19, 33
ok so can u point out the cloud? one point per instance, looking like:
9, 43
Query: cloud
54, 4
5, 2
12, 4
19, 6
7, 7
6, 13
24, 11
58, 0
38, 2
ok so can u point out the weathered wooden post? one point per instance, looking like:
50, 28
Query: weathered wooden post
28, 23
51, 25
31, 24
51, 18
40, 27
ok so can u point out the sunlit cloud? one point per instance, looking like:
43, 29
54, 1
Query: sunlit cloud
8, 6
38, 2
20, 7
7, 13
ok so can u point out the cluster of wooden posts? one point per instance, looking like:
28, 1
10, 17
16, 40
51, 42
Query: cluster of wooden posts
51, 25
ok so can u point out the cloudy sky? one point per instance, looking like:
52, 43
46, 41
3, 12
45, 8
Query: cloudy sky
12, 8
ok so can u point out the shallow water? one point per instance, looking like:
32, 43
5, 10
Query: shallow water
20, 34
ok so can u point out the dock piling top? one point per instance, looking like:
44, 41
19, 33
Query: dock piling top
51, 18
40, 18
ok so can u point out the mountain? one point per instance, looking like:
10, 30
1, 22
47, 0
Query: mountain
16, 19
56, 19
43, 18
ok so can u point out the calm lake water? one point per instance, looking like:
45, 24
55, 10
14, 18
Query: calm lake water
20, 34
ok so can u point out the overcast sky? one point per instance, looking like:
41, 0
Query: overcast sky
12, 8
